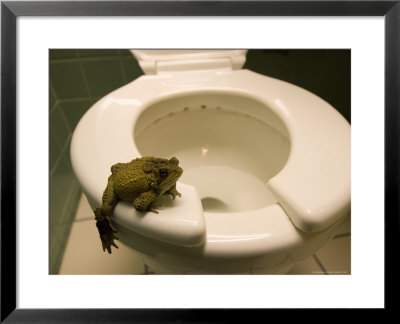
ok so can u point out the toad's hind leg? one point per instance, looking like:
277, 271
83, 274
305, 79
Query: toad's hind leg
107, 234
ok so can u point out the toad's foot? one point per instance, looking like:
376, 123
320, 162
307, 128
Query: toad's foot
107, 234
173, 192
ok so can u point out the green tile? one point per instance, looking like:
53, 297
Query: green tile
62, 209
72, 204
59, 128
334, 85
55, 54
131, 68
103, 76
57, 227
60, 229
55, 252
323, 72
345, 109
54, 148
272, 63
58, 240
125, 52
64, 179
306, 67
305, 62
64, 193
52, 99
74, 110
67, 80
56, 203
98, 52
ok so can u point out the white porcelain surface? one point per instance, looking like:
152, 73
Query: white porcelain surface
314, 185
176, 61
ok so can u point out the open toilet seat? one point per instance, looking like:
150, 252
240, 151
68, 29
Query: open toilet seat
312, 190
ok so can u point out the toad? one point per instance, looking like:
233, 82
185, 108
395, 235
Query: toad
140, 182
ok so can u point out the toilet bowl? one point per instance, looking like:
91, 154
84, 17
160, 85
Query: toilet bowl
266, 164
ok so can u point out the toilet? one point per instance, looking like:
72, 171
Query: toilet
266, 164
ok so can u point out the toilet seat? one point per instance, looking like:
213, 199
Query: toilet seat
312, 190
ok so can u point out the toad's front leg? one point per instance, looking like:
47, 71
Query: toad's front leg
173, 192
107, 234
145, 200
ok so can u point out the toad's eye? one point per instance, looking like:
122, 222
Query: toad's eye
163, 173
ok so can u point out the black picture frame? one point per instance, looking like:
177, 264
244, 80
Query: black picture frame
10, 10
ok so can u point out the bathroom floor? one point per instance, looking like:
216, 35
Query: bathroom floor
83, 253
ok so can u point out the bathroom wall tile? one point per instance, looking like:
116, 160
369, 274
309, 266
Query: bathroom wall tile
273, 63
54, 148
98, 52
56, 203
336, 256
63, 208
131, 68
84, 254
67, 79
306, 68
323, 72
74, 110
103, 75
125, 52
62, 175
55, 54
57, 242
62, 211
345, 109
71, 202
84, 211
55, 253
334, 82
52, 99
59, 128
62, 230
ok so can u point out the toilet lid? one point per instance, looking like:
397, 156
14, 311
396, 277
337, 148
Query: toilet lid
169, 61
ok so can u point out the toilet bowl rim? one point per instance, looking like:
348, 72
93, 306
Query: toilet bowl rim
158, 97
304, 210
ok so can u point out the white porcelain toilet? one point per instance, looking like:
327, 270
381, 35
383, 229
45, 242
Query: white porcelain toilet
266, 164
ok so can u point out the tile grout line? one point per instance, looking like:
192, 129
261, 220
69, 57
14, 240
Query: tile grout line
51, 87
75, 186
79, 61
65, 119
319, 264
52, 90
69, 225
60, 156
63, 223
83, 219
53, 107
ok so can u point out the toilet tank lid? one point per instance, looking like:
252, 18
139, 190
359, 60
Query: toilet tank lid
163, 61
